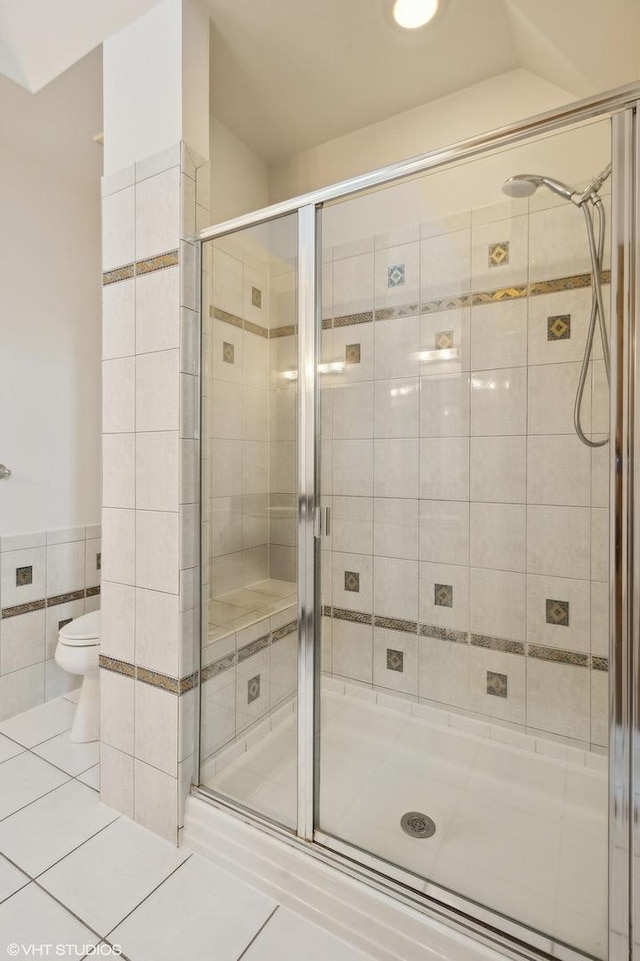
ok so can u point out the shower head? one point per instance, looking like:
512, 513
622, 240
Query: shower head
524, 185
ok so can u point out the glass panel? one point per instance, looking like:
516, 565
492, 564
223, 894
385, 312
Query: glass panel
249, 637
464, 585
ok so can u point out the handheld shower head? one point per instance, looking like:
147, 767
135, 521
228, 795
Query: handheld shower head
524, 185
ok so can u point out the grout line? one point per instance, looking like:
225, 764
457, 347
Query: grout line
147, 896
68, 910
77, 847
257, 934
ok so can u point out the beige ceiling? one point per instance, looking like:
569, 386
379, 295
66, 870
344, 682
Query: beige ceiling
289, 74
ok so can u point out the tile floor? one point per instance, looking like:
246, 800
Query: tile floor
522, 832
75, 873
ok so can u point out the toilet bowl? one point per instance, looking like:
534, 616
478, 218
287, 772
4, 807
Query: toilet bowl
77, 652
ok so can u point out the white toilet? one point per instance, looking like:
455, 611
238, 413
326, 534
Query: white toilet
77, 652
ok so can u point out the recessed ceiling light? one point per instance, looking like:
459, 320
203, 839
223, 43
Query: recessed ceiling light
411, 14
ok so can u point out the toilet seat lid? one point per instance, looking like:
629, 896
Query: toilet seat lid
82, 630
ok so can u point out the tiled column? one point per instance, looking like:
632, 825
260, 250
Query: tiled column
150, 475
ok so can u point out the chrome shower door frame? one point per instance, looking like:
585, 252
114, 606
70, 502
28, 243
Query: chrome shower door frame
486, 926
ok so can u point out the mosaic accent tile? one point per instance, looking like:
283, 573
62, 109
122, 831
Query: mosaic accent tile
559, 327
118, 667
256, 297
284, 631
24, 576
288, 331
170, 259
357, 617
99, 561
348, 320
67, 598
497, 684
228, 318
499, 254
155, 679
253, 648
352, 353
64, 622
253, 689
252, 328
600, 663
498, 295
560, 656
557, 612
446, 303
444, 634
574, 282
327, 323
352, 582
497, 644
443, 595
396, 624
219, 667
92, 591
396, 275
120, 273
395, 313
23, 609
444, 339
228, 353
327, 610
395, 660
188, 683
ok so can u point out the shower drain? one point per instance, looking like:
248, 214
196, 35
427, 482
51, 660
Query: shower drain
417, 825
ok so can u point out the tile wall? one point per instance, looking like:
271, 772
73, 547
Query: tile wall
249, 460
468, 560
151, 491
47, 579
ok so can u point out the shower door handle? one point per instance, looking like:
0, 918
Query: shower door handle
322, 522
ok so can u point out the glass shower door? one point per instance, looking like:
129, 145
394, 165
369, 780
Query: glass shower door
249, 638
464, 583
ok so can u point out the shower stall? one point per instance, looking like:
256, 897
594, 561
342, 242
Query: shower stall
419, 648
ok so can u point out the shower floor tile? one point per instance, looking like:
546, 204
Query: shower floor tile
521, 832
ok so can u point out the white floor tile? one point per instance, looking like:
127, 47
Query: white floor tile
40, 723
71, 757
47, 830
24, 779
11, 880
288, 937
125, 863
200, 912
32, 917
8, 748
91, 777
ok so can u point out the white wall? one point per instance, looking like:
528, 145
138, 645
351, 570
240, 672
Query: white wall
485, 106
239, 178
50, 347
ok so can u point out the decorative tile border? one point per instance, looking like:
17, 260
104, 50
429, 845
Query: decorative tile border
38, 605
116, 666
120, 273
496, 644
559, 656
287, 331
504, 645
173, 685
283, 631
471, 299
443, 634
169, 259
254, 647
234, 658
22, 609
396, 624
